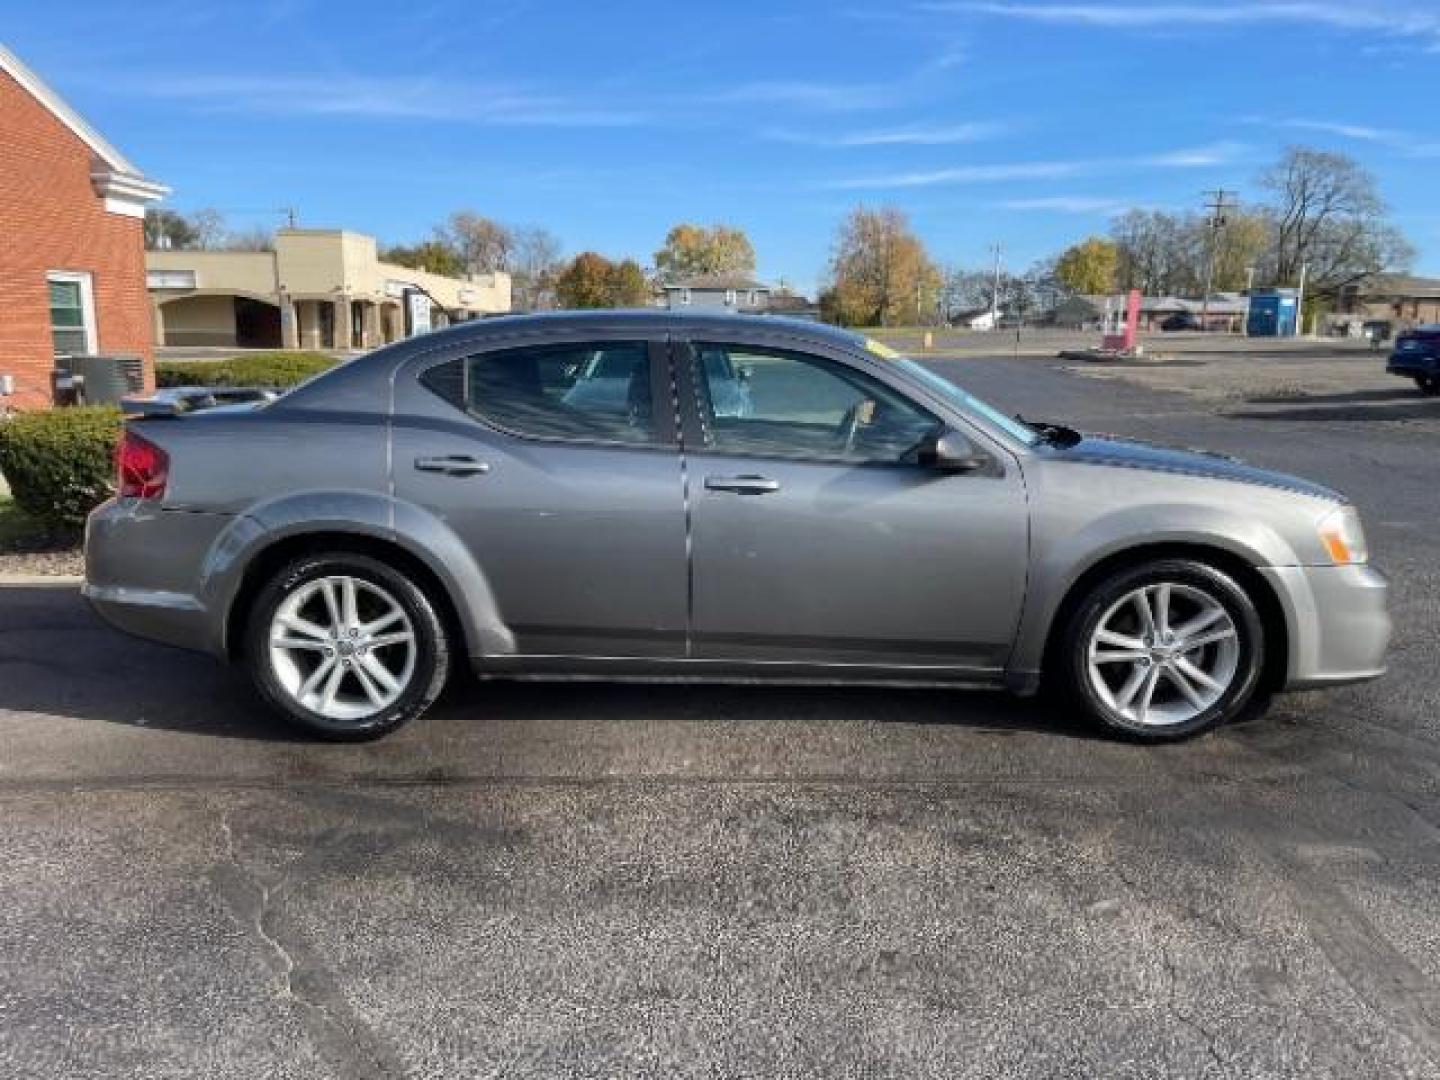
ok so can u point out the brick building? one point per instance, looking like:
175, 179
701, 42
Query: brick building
72, 246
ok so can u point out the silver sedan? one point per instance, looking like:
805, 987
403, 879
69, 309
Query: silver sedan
456, 499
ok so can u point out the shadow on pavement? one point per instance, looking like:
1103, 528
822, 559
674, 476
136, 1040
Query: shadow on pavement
1358, 413
57, 659
1348, 397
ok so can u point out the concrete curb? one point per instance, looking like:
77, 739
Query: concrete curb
71, 580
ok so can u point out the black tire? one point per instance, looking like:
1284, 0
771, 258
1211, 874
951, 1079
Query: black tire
1243, 695
1428, 384
432, 649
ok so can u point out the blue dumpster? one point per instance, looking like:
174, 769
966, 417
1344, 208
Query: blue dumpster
1273, 313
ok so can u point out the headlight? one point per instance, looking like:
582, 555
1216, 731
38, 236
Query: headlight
1343, 537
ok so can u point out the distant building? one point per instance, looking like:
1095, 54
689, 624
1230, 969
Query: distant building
72, 241
1225, 311
319, 289
731, 292
1396, 298
792, 306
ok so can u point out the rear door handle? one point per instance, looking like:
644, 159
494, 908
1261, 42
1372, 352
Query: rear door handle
743, 485
453, 465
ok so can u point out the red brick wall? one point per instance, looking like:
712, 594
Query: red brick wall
51, 219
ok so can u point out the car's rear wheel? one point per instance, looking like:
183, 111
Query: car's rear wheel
1428, 384
346, 646
1164, 651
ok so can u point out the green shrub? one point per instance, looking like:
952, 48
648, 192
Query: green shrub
271, 369
60, 464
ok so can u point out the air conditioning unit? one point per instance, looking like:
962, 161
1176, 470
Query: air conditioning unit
104, 380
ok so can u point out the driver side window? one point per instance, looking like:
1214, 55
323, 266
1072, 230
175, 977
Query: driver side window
775, 403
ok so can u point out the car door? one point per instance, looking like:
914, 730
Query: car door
819, 538
550, 461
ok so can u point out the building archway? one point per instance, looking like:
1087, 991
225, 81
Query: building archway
219, 319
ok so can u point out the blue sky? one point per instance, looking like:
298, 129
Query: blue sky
1024, 123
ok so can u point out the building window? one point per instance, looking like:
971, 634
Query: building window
72, 312
730, 297
751, 300
684, 296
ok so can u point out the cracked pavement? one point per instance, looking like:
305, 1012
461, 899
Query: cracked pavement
607, 881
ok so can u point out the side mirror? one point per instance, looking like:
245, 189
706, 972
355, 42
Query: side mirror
949, 451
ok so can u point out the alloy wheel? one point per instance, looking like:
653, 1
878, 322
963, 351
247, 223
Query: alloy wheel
1163, 654
342, 647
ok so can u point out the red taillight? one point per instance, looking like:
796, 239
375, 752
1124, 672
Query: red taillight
142, 466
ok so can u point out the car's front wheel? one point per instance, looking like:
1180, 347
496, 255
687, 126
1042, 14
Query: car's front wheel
1428, 384
1164, 650
346, 646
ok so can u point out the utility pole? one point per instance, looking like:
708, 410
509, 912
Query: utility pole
995, 292
290, 214
1249, 295
1300, 302
1213, 224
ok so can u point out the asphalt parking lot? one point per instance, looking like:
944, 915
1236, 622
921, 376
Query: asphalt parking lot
607, 881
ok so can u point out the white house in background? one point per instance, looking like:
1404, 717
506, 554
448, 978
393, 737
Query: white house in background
979, 319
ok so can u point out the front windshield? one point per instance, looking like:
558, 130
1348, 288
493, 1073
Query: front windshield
967, 402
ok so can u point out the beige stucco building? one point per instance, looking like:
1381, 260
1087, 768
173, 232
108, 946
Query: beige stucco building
319, 289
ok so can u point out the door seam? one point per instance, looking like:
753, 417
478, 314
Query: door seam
672, 370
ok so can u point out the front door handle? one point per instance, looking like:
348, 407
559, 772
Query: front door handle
452, 465
743, 485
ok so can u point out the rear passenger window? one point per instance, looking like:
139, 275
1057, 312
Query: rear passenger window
595, 391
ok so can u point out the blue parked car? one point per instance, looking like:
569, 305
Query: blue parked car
1417, 356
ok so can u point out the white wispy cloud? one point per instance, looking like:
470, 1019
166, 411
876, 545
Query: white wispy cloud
1406, 143
379, 97
1070, 204
1196, 157
799, 93
1392, 20
908, 135
965, 174
1186, 158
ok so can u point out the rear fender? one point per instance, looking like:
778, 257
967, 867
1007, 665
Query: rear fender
361, 514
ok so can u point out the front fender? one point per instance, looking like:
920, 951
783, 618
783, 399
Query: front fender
1061, 560
363, 514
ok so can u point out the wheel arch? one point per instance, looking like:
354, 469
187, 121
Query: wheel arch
268, 561
1261, 592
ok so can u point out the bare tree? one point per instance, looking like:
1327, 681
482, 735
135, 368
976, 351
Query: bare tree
209, 227
484, 245
535, 263
1329, 217
256, 238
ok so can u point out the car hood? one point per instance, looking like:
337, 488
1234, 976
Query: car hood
1121, 453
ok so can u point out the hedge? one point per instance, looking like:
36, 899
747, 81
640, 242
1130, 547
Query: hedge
60, 464
273, 369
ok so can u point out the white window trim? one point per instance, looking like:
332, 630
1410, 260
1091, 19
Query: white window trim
87, 302
730, 297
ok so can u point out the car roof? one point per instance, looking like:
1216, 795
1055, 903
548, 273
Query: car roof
650, 319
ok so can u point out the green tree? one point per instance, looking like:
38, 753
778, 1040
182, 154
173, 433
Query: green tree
628, 287
1090, 266
169, 229
694, 250
587, 282
434, 256
880, 274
